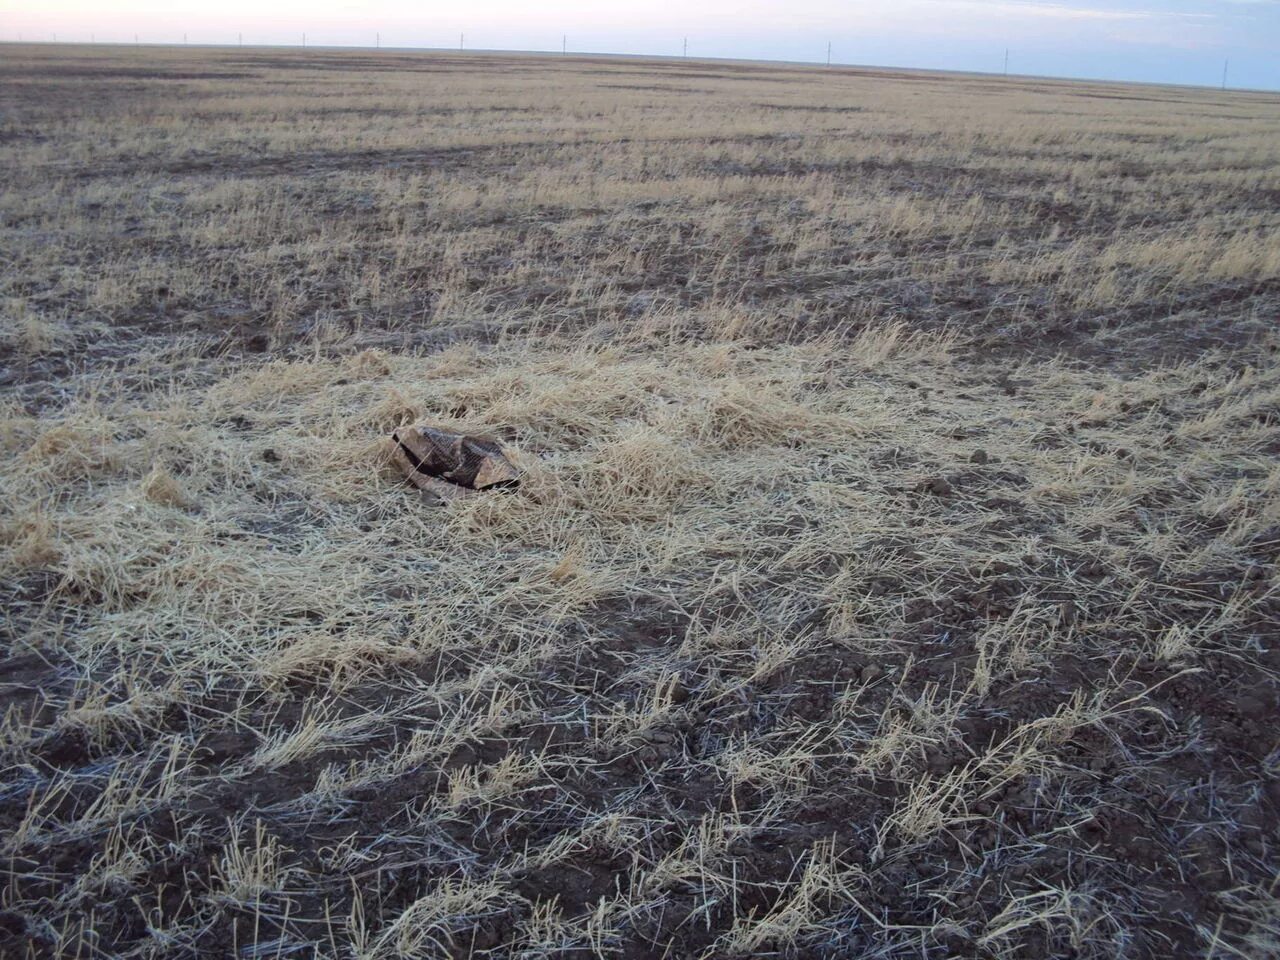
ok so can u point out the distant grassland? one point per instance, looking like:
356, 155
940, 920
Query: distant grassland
893, 574
350, 191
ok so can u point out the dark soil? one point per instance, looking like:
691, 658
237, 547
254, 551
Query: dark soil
1163, 814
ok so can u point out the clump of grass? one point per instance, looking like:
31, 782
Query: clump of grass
834, 614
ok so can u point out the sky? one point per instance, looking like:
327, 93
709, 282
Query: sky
1175, 41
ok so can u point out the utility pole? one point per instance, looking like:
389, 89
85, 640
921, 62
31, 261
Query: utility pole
564, 44
686, 47
462, 39
1225, 64
304, 41
377, 41
828, 53
1006, 61
184, 39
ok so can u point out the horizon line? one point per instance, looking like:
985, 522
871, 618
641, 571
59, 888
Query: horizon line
678, 58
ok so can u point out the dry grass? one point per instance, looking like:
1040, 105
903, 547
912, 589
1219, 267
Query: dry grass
893, 575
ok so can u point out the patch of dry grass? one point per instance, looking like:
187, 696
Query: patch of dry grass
893, 572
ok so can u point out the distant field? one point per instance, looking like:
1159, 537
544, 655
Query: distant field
894, 573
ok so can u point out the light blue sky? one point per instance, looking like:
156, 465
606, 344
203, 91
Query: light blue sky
1180, 41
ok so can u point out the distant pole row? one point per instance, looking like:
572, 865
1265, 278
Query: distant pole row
462, 44
462, 39
564, 48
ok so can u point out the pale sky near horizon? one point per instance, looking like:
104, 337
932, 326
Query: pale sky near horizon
1176, 41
